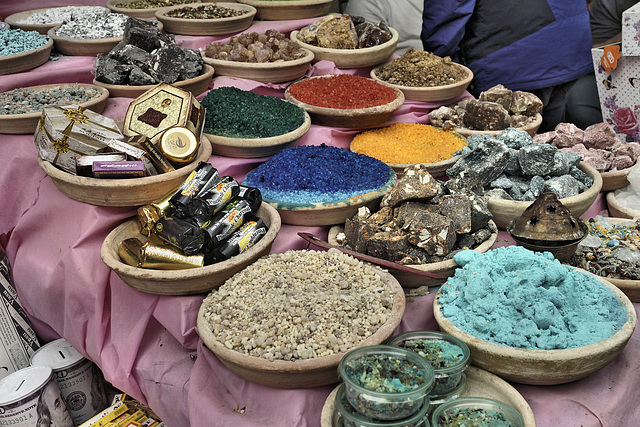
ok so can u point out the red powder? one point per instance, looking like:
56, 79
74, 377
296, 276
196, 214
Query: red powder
344, 91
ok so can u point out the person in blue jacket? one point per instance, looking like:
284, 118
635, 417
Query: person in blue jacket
539, 46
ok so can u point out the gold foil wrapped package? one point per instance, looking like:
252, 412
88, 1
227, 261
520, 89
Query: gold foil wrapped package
148, 215
161, 257
66, 132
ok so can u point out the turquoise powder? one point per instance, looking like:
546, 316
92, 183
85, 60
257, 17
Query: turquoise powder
524, 299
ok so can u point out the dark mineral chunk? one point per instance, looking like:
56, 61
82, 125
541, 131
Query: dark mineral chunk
133, 55
514, 138
458, 208
536, 186
561, 164
193, 64
369, 35
498, 94
466, 241
513, 164
488, 160
145, 35
483, 115
167, 63
416, 256
408, 210
382, 217
578, 174
108, 70
432, 232
536, 159
499, 193
390, 245
416, 184
482, 235
137, 77
525, 103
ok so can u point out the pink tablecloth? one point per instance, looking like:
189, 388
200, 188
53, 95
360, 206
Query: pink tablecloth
148, 346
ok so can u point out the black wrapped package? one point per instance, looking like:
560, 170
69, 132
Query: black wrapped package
239, 241
187, 237
225, 222
201, 176
211, 199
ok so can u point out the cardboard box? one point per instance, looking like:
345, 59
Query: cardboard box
631, 31
161, 108
68, 131
619, 92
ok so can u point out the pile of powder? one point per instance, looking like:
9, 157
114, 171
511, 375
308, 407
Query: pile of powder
58, 15
14, 41
237, 113
524, 299
317, 174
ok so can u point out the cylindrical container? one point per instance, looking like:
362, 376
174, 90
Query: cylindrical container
30, 397
18, 340
179, 145
78, 378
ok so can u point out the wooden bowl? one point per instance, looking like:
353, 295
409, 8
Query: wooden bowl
480, 383
195, 280
618, 210
137, 13
302, 373
408, 280
265, 72
82, 47
349, 117
614, 180
123, 192
196, 85
431, 94
504, 211
351, 58
256, 147
284, 11
543, 367
14, 21
333, 212
28, 122
531, 129
206, 27
23, 61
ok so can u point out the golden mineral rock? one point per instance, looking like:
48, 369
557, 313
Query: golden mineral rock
338, 33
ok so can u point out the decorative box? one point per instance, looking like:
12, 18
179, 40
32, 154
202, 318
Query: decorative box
161, 108
631, 31
65, 132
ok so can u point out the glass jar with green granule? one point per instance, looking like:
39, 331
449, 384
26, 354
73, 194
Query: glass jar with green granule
237, 113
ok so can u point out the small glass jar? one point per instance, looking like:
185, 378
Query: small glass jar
385, 382
476, 411
436, 400
448, 355
349, 417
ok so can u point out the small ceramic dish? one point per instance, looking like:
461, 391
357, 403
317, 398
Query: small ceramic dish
352, 418
27, 122
614, 180
289, 10
331, 212
264, 72
123, 192
386, 382
448, 356
503, 211
256, 147
531, 129
196, 85
14, 20
136, 13
348, 117
306, 373
479, 383
191, 281
82, 47
351, 58
431, 94
543, 367
409, 280
206, 27
476, 411
24, 61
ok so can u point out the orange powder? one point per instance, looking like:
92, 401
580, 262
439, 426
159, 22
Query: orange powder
408, 143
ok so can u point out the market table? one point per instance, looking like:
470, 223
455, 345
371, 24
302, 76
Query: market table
148, 346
